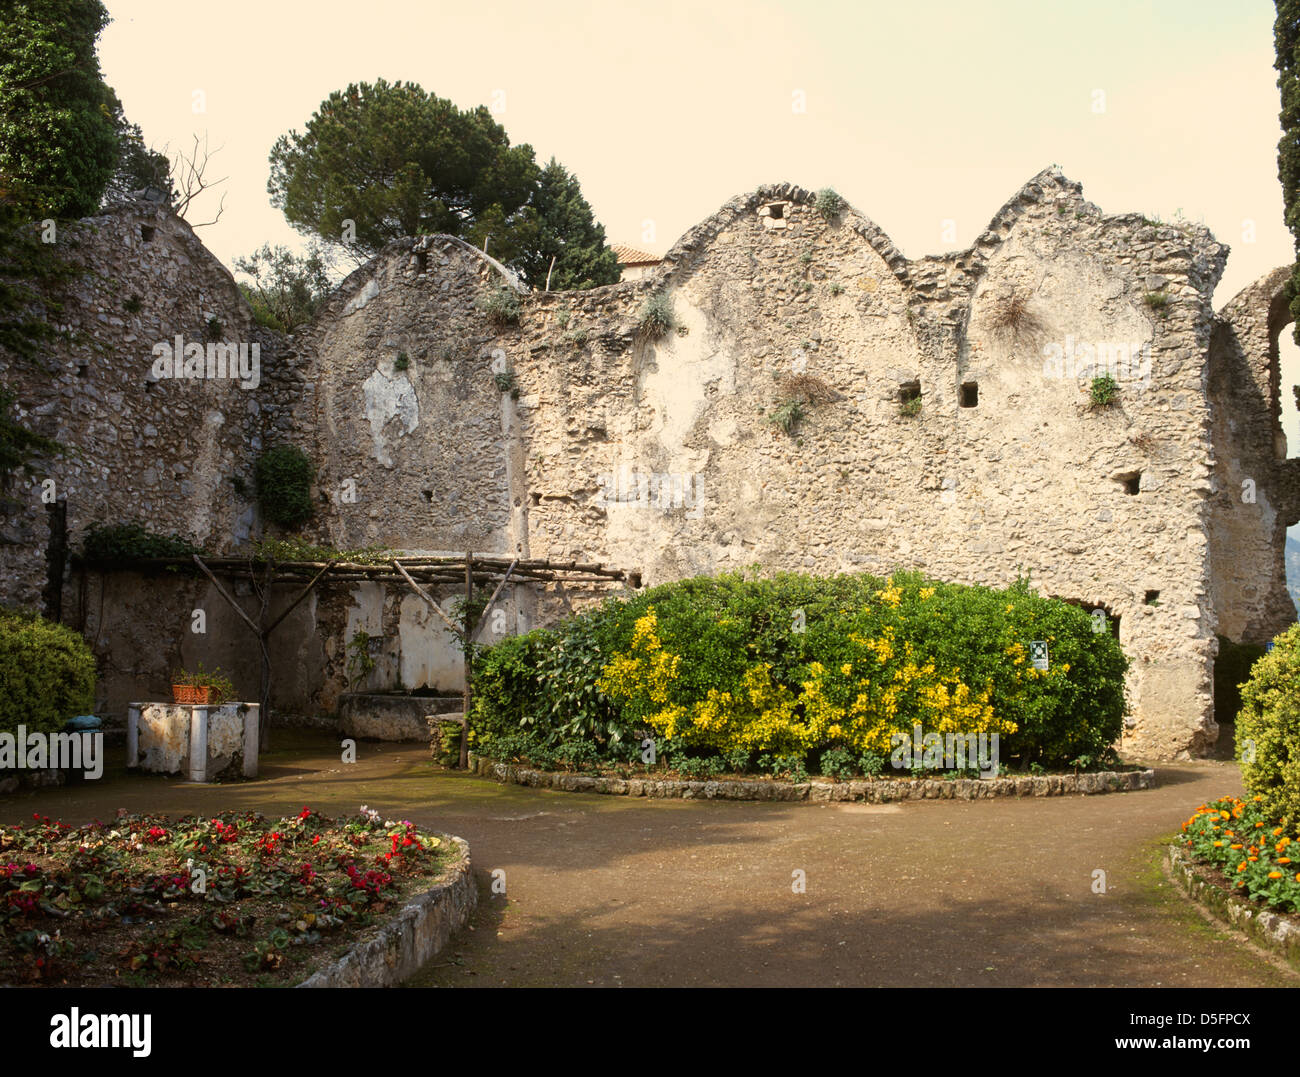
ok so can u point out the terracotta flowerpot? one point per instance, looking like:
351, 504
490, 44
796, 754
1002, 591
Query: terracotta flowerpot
192, 693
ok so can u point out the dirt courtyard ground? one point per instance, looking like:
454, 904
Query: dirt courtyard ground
613, 891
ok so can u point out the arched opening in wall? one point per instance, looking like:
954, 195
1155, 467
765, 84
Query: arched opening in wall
1104, 619
1283, 374
1288, 364
1231, 670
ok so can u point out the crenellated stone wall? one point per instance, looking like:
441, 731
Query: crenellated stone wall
571, 434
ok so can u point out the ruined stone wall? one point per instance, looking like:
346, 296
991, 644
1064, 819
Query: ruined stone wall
139, 448
661, 454
1254, 498
571, 434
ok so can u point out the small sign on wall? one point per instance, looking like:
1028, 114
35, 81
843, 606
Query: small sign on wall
1038, 654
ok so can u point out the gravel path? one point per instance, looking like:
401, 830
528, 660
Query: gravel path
613, 891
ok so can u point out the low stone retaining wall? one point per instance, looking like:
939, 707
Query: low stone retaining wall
377, 716
1260, 924
411, 938
875, 791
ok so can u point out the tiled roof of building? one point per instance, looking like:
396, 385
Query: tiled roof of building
634, 256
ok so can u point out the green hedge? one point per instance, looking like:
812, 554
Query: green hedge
113, 544
1268, 730
792, 672
48, 673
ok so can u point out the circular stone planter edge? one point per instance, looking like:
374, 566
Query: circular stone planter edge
879, 791
1261, 925
421, 929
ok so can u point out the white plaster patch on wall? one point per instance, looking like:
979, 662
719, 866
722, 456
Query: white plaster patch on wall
685, 365
362, 297
206, 473
388, 399
431, 657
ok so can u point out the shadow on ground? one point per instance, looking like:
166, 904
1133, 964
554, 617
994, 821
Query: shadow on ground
618, 891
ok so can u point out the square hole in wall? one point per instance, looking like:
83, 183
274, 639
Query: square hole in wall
427, 495
909, 391
146, 233
1131, 481
970, 394
776, 210
1151, 598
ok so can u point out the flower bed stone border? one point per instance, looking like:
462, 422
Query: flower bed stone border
1261, 925
875, 791
417, 933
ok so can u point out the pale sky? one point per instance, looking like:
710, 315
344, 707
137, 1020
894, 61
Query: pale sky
915, 113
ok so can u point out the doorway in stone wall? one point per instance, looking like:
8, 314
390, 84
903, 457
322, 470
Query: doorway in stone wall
1109, 619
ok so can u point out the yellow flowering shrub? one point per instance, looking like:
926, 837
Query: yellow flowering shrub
795, 665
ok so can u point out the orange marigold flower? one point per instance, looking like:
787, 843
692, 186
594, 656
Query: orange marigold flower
1284, 860
1237, 846
1275, 875
1241, 866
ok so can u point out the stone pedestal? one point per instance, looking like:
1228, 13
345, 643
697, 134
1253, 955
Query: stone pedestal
203, 742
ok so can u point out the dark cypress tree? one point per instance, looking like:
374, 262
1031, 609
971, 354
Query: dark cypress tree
567, 232
1286, 42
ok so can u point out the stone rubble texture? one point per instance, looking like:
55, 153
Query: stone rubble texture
439, 458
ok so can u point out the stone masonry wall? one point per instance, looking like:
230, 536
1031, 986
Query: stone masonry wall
662, 454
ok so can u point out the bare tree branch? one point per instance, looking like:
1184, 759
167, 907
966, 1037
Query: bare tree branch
189, 179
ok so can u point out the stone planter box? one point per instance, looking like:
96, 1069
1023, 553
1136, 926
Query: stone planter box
376, 716
202, 742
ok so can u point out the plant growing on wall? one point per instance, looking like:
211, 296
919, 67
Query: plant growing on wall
297, 549
657, 318
829, 204
1012, 317
1103, 391
18, 445
501, 306
786, 415
108, 544
798, 393
284, 477
360, 664
1158, 302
